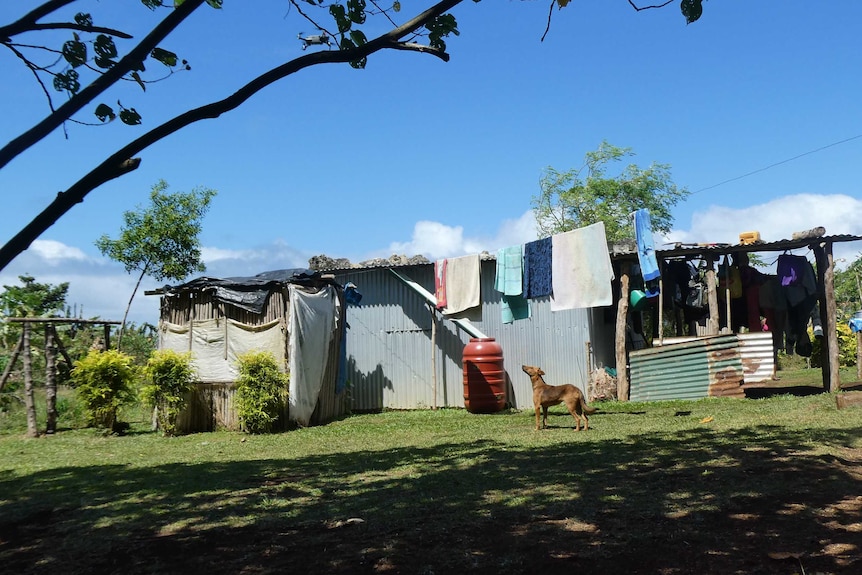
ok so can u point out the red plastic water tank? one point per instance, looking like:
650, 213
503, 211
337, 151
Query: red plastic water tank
484, 376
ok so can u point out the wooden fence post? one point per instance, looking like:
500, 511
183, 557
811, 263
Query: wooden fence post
620, 339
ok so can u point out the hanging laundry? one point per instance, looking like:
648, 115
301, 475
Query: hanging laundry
646, 249
510, 270
537, 281
440, 283
581, 269
514, 307
462, 283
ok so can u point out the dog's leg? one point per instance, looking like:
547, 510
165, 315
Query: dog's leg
537, 417
544, 417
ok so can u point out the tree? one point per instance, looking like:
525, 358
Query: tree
161, 240
848, 289
584, 196
423, 33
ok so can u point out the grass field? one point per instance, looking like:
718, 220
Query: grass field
770, 485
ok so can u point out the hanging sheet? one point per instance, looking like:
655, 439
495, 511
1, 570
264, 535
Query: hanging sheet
581, 269
313, 319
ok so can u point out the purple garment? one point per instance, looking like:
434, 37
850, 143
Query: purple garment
790, 268
537, 268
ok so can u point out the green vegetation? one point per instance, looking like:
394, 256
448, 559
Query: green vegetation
104, 381
170, 380
261, 390
443, 491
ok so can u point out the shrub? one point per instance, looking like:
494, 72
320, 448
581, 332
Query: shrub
261, 390
104, 381
170, 380
846, 347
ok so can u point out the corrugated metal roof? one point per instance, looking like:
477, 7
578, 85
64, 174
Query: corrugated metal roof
776, 246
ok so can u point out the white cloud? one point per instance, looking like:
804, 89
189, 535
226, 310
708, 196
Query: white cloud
56, 253
777, 220
435, 240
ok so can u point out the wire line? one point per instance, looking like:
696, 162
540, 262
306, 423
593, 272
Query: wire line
777, 164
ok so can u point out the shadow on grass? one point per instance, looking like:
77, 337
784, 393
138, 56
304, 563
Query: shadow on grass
694, 502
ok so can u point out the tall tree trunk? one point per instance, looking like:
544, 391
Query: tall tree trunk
51, 378
29, 400
128, 307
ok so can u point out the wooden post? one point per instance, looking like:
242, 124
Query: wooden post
51, 378
712, 297
660, 311
433, 353
12, 361
859, 355
826, 285
107, 330
29, 400
620, 340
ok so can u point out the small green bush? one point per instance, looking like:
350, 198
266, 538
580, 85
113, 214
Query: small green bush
170, 378
846, 347
104, 381
261, 390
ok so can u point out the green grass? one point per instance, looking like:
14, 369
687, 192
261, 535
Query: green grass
678, 461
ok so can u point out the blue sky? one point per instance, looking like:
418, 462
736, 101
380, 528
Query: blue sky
417, 156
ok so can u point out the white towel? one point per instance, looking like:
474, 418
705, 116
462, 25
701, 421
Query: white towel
581, 269
462, 283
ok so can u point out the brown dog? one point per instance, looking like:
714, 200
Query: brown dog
545, 395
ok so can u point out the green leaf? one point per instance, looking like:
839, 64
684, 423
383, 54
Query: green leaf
341, 20
152, 4
75, 52
691, 9
137, 78
105, 51
166, 57
396, 6
105, 113
215, 3
358, 37
67, 82
130, 116
82, 19
356, 11
347, 44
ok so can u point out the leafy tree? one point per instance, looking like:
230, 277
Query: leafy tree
346, 22
31, 299
848, 288
584, 196
160, 240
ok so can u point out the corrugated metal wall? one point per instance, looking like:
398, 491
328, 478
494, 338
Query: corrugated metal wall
693, 369
389, 346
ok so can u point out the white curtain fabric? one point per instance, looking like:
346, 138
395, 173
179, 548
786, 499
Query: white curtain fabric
216, 345
313, 318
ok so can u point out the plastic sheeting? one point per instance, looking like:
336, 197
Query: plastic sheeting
216, 344
313, 319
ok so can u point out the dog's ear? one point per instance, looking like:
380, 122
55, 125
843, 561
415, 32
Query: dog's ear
541, 372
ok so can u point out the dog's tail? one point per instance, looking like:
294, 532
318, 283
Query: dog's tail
587, 409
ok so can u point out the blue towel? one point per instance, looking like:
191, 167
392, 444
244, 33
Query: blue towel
646, 251
510, 269
514, 307
537, 268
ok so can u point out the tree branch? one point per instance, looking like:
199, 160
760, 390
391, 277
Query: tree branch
29, 19
422, 48
119, 162
129, 62
78, 27
638, 9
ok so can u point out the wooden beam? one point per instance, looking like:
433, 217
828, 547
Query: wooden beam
620, 339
